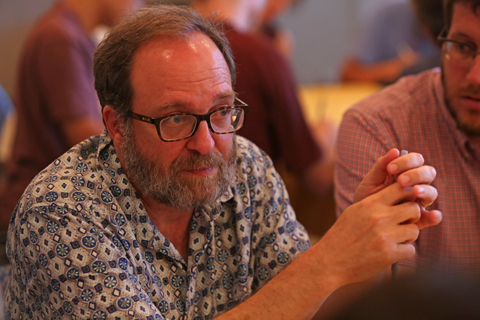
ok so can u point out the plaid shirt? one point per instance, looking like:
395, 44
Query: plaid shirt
411, 115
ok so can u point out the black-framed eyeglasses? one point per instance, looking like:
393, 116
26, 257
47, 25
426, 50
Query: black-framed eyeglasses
179, 126
457, 52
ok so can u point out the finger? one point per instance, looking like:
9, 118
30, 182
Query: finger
405, 251
425, 194
429, 218
393, 194
379, 171
421, 175
407, 213
408, 233
404, 163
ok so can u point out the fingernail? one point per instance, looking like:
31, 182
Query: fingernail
393, 168
421, 190
404, 180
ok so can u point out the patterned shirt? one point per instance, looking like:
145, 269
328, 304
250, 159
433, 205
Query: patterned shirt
411, 115
82, 245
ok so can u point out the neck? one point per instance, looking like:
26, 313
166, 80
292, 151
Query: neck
229, 11
87, 12
173, 223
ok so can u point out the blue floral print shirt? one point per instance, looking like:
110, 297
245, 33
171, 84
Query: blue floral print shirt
82, 246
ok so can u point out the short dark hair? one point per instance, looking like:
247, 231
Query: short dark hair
448, 9
114, 57
429, 13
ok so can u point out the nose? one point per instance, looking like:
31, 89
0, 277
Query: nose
473, 75
202, 141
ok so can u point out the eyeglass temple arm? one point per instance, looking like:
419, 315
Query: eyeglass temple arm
137, 116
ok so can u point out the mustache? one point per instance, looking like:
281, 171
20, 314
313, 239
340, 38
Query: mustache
198, 161
469, 90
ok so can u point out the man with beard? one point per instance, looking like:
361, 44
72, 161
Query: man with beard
169, 215
437, 114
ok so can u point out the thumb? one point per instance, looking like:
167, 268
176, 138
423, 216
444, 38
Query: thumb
374, 180
379, 171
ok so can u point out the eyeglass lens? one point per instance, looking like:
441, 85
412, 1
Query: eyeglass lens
182, 126
460, 53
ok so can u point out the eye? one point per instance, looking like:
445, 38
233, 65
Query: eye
221, 114
464, 48
175, 120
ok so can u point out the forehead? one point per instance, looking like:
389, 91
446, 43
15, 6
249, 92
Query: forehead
179, 68
465, 16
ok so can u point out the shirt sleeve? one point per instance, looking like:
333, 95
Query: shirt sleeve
65, 73
278, 238
361, 141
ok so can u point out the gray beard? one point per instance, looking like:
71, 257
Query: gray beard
164, 185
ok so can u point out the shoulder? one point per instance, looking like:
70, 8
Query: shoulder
409, 95
248, 40
65, 184
255, 169
58, 27
249, 153
252, 46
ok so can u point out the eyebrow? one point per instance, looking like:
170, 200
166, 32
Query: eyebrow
459, 34
180, 104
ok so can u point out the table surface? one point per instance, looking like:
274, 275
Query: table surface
330, 100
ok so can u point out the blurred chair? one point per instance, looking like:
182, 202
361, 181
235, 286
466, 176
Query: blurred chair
6, 112
6, 106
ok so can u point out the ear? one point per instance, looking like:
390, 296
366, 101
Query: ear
112, 123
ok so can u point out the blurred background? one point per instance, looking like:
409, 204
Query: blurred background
324, 33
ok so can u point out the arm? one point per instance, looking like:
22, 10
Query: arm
370, 236
385, 71
361, 139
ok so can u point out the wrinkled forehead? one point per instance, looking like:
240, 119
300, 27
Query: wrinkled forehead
175, 55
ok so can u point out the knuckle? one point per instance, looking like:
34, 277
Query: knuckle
414, 207
433, 172
418, 158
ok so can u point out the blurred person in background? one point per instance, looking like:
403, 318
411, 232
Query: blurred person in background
265, 81
55, 100
437, 114
399, 39
281, 36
